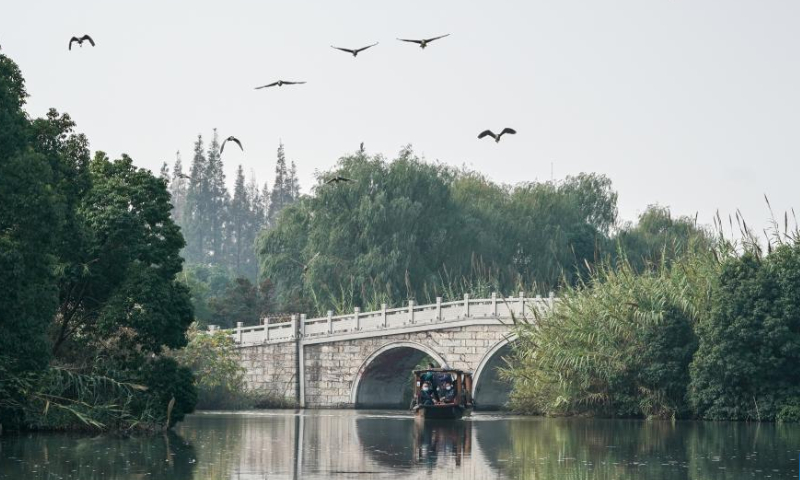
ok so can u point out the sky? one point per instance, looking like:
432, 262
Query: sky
690, 104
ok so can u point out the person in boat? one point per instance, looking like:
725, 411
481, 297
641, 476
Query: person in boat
441, 379
426, 394
449, 395
430, 377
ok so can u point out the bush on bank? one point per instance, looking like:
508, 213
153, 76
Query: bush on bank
715, 334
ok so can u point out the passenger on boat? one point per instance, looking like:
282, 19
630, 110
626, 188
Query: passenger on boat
440, 380
449, 395
426, 394
430, 377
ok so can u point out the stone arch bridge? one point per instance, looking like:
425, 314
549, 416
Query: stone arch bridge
364, 360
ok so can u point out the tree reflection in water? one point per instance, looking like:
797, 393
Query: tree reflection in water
70, 456
322, 444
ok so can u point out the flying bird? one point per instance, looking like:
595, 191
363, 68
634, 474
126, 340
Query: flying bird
356, 51
338, 179
232, 139
489, 133
80, 41
183, 175
424, 42
280, 83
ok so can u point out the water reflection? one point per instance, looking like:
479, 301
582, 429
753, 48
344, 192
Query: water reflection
67, 456
442, 440
379, 445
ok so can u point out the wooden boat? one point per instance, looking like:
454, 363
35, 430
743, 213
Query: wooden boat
437, 408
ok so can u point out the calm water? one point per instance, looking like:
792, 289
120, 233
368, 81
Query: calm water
381, 445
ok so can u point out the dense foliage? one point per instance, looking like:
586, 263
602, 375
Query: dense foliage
89, 256
709, 332
618, 345
747, 365
408, 229
29, 208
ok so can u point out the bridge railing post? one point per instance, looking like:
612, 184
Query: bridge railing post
294, 326
438, 317
356, 318
411, 311
466, 305
494, 304
537, 304
239, 333
551, 300
522, 303
330, 322
302, 325
383, 315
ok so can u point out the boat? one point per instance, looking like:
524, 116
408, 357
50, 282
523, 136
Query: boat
438, 409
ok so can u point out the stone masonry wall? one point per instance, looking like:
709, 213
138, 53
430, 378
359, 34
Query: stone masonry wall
271, 368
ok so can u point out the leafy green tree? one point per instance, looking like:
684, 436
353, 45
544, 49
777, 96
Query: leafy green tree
746, 364
214, 361
657, 237
239, 303
89, 257
410, 230
124, 273
29, 211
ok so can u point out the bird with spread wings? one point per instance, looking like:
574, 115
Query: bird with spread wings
80, 41
424, 42
355, 51
280, 83
496, 136
232, 139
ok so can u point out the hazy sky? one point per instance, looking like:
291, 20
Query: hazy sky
693, 104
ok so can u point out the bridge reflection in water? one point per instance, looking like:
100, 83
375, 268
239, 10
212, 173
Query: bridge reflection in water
347, 444
317, 444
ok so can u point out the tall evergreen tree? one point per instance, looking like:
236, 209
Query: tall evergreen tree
256, 201
265, 203
195, 213
217, 200
177, 190
240, 223
280, 196
293, 183
164, 173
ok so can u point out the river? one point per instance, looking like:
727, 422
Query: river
357, 444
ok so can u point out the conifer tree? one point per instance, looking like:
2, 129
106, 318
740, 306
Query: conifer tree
280, 196
240, 223
195, 212
164, 173
217, 200
294, 183
177, 190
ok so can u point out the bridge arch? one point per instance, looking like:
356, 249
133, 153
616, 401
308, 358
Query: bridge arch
382, 380
488, 389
